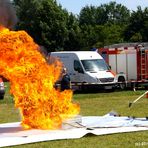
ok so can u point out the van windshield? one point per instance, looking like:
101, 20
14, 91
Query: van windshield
95, 65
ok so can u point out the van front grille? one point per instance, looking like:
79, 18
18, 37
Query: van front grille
103, 80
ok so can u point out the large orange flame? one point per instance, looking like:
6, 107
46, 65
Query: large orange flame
32, 82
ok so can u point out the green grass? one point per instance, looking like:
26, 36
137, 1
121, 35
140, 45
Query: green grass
92, 104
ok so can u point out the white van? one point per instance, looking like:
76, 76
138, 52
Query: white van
86, 68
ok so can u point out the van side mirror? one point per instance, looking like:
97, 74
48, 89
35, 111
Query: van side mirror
80, 70
78, 67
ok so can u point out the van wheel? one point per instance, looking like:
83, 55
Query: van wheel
122, 84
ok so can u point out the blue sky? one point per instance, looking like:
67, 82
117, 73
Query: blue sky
75, 6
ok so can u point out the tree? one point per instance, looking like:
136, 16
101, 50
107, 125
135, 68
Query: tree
137, 29
104, 24
44, 20
116, 13
145, 29
113, 34
88, 16
112, 13
73, 41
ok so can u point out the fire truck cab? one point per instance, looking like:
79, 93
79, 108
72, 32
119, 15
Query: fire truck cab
129, 62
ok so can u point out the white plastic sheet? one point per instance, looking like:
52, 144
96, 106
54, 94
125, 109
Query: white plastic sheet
14, 134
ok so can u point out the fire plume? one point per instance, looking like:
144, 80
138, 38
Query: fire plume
32, 82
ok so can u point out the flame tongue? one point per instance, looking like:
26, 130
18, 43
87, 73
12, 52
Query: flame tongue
32, 80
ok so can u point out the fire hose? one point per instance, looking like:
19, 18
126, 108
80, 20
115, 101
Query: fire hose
130, 104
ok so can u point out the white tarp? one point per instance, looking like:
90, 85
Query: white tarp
14, 134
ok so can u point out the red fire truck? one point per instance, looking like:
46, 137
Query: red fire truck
130, 63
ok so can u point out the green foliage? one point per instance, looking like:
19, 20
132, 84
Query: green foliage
116, 13
45, 21
137, 37
73, 40
88, 16
113, 34
137, 28
108, 13
56, 29
102, 25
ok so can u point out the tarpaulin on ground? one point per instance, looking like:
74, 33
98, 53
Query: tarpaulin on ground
14, 134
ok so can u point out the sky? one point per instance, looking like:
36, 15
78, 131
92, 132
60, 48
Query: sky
75, 6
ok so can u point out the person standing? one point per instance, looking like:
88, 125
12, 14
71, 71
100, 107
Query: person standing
2, 89
65, 81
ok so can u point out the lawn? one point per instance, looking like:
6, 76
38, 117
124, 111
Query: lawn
92, 104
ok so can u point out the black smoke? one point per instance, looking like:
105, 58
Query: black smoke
7, 14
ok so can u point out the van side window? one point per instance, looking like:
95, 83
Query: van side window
78, 67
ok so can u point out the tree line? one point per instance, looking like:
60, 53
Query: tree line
56, 29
